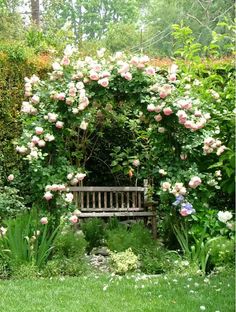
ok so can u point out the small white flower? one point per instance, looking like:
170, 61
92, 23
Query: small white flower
202, 308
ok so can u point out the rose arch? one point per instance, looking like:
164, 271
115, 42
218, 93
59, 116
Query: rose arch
83, 97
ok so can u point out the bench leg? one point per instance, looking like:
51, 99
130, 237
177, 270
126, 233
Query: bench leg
154, 226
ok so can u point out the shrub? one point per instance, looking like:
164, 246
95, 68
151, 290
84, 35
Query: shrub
137, 237
69, 244
11, 203
25, 271
64, 266
123, 262
94, 230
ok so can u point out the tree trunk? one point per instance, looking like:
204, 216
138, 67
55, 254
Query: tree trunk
35, 14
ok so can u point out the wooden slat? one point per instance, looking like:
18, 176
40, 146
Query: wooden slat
116, 214
122, 200
93, 196
111, 209
99, 200
133, 199
87, 199
81, 200
105, 200
127, 199
117, 200
111, 199
139, 199
107, 189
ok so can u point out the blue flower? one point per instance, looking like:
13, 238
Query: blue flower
179, 199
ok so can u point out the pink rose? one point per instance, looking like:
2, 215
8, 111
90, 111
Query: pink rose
10, 177
35, 139
172, 77
167, 111
105, 74
72, 92
194, 182
103, 82
38, 130
73, 219
69, 197
41, 143
60, 96
35, 99
83, 125
183, 156
151, 107
220, 150
44, 220
65, 61
136, 162
127, 76
52, 117
163, 94
184, 212
150, 71
93, 75
158, 117
59, 124
124, 69
165, 186
48, 196
80, 176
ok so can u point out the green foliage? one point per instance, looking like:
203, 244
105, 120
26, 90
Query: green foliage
94, 230
64, 267
137, 238
69, 244
26, 241
11, 203
222, 251
25, 271
124, 261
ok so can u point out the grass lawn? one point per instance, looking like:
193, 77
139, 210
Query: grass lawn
106, 293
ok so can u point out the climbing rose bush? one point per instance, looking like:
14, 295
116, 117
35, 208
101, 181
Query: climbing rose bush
60, 114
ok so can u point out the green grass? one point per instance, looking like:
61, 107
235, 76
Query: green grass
106, 293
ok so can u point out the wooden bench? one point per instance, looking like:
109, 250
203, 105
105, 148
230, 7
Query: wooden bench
122, 201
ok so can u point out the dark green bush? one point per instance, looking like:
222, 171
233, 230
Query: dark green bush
69, 244
94, 231
137, 238
222, 252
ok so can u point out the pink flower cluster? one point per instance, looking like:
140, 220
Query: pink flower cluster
211, 145
195, 182
75, 178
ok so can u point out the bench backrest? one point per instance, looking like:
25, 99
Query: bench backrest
101, 198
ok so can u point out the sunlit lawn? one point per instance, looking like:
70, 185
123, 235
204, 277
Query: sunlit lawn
106, 293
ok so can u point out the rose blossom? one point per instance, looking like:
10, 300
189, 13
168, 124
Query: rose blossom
41, 143
224, 216
10, 177
35, 139
93, 75
158, 117
48, 196
59, 124
49, 137
83, 125
162, 172
151, 108
136, 162
161, 129
103, 82
127, 76
70, 176
73, 219
150, 70
165, 186
80, 176
35, 99
44, 220
80, 85
194, 182
69, 197
38, 130
167, 111
52, 117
